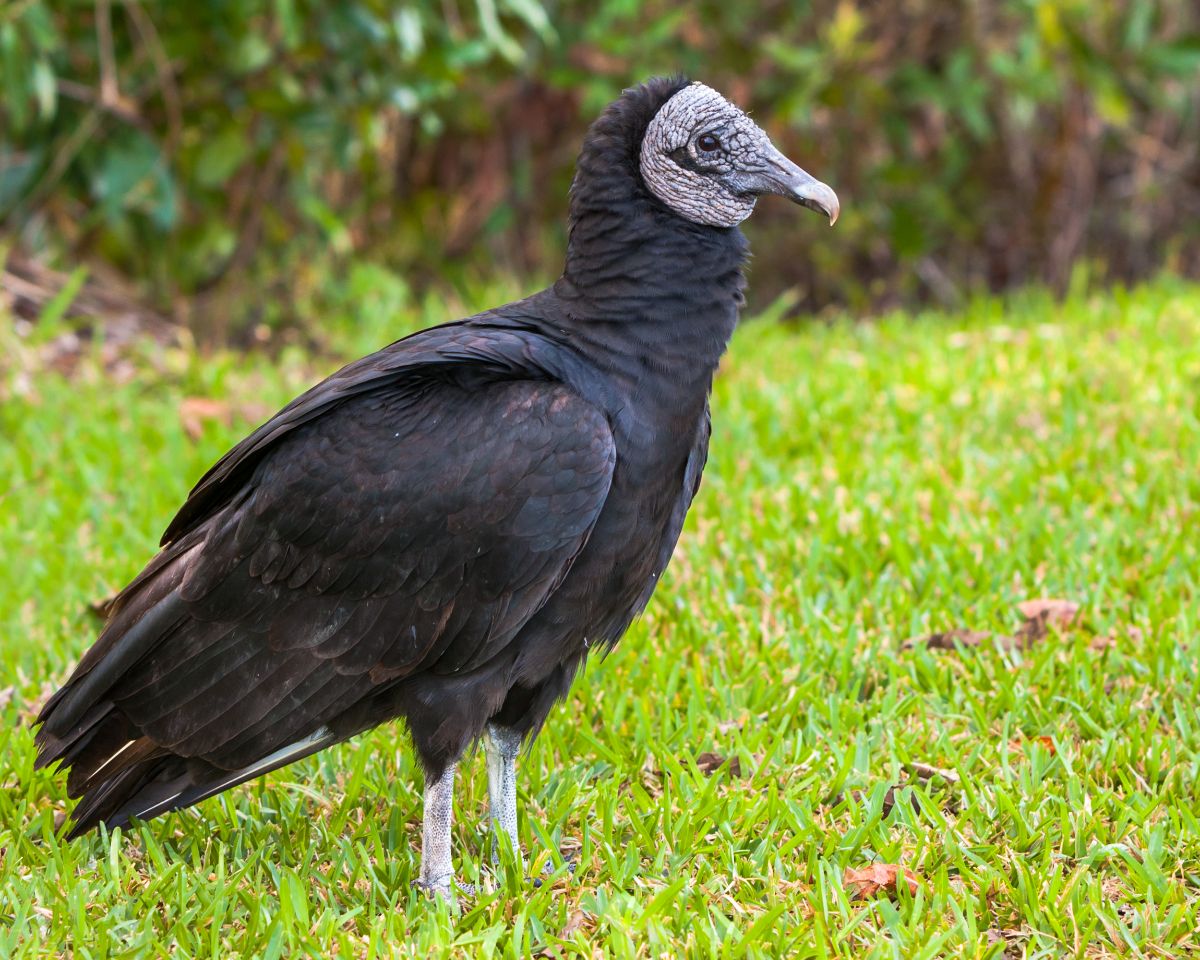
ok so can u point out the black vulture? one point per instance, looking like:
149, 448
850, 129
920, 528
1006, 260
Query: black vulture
442, 531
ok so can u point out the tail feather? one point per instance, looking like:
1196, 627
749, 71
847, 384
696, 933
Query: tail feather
92, 681
104, 761
120, 768
86, 755
136, 618
148, 788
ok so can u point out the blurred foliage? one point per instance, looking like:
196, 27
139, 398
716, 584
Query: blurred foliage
222, 153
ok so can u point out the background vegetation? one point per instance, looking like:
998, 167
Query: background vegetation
221, 154
765, 739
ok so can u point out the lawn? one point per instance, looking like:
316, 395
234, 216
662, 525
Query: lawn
776, 724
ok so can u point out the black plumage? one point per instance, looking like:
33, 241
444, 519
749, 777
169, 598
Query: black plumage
438, 532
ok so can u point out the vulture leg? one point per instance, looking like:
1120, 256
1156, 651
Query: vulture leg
437, 865
503, 745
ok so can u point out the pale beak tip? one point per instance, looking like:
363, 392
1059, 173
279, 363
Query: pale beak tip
818, 196
829, 203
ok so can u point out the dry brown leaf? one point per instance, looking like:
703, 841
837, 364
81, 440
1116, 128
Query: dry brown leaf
863, 797
1043, 614
1106, 641
1011, 940
575, 922
889, 799
949, 639
924, 771
1059, 613
194, 411
1040, 616
710, 763
862, 884
594, 60
1047, 742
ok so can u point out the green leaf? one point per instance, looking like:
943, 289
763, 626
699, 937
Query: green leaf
13, 70
164, 201
291, 28
407, 26
533, 13
127, 161
504, 44
44, 89
1180, 58
250, 53
58, 305
221, 156
17, 171
320, 213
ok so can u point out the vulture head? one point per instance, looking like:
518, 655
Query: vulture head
709, 162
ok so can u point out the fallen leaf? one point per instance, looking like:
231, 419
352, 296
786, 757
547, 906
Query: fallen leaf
194, 411
864, 796
1047, 742
1108, 640
1011, 940
878, 878
576, 921
889, 799
594, 60
1061, 613
924, 771
710, 763
949, 639
1043, 614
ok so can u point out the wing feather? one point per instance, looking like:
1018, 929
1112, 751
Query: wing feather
364, 535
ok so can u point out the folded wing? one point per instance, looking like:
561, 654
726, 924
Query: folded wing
413, 525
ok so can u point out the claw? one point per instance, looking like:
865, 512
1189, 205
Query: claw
445, 889
548, 870
442, 888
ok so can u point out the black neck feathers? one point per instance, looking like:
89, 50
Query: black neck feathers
634, 263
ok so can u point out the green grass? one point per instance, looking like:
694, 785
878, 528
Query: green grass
868, 483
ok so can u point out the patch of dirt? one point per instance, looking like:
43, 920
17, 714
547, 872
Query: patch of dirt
104, 307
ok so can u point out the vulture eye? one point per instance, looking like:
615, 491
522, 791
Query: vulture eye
708, 142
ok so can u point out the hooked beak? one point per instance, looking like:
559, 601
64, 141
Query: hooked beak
781, 176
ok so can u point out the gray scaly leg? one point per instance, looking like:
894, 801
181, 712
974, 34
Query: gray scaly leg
503, 745
437, 866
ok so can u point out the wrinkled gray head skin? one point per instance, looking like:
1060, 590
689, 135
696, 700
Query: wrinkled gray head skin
709, 162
